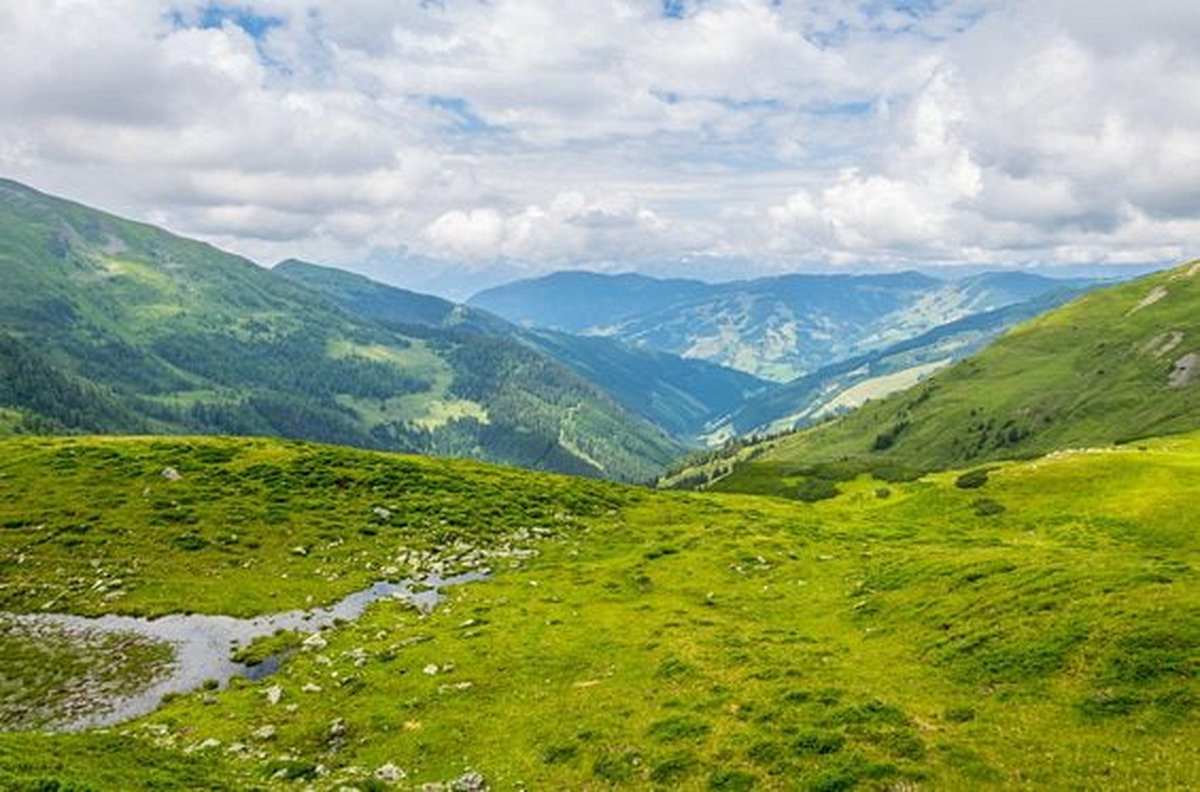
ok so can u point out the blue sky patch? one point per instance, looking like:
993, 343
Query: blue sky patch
464, 118
214, 15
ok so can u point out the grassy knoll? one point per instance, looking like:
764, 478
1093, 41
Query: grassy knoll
1038, 631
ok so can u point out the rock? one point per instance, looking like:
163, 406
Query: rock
337, 729
389, 773
469, 782
209, 744
309, 687
382, 513
264, 733
300, 550
171, 474
314, 641
273, 694
431, 669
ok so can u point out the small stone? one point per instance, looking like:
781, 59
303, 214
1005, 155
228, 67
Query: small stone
209, 744
314, 641
389, 773
273, 694
337, 728
171, 474
431, 669
300, 550
382, 513
309, 687
469, 782
264, 733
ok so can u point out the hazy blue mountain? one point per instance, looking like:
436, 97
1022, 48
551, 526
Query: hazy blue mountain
682, 396
585, 301
777, 328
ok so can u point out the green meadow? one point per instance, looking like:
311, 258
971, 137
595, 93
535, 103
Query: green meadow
1037, 627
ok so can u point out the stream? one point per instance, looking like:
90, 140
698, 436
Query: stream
204, 644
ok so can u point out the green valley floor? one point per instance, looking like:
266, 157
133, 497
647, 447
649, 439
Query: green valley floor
1036, 626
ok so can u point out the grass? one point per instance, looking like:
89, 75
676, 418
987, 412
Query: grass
677, 640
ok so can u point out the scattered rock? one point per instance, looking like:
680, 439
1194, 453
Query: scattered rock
469, 782
300, 550
264, 733
273, 694
314, 641
431, 669
337, 729
390, 774
209, 744
309, 687
171, 474
1186, 371
382, 513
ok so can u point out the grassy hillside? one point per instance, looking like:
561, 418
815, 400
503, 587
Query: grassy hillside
1040, 631
679, 395
108, 325
1116, 365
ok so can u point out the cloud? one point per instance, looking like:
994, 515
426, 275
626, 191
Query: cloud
620, 132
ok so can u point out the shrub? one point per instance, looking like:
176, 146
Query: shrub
811, 490
973, 479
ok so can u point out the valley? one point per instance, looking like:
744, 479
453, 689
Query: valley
962, 557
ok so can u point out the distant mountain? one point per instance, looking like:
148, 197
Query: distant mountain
107, 325
1116, 365
682, 396
578, 302
847, 384
776, 328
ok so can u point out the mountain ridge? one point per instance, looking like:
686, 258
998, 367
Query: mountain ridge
779, 327
185, 337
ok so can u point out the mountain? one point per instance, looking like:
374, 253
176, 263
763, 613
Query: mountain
778, 328
112, 326
577, 302
390, 305
1037, 632
847, 384
1114, 366
684, 397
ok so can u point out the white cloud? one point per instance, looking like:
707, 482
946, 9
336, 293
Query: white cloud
603, 133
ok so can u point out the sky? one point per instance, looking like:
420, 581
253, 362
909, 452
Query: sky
455, 143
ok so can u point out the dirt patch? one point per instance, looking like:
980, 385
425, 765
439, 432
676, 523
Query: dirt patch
1156, 294
1186, 371
1163, 344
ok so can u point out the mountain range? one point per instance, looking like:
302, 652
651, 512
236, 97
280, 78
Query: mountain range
114, 326
777, 328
